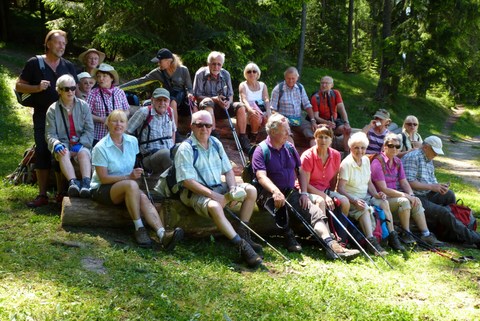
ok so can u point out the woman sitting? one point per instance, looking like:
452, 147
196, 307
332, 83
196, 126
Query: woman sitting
388, 177
409, 138
113, 181
69, 133
355, 183
254, 95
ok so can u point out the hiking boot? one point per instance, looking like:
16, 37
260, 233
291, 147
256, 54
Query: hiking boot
343, 252
171, 238
40, 200
375, 248
244, 142
244, 233
291, 243
85, 190
407, 238
394, 242
74, 188
248, 254
142, 238
432, 240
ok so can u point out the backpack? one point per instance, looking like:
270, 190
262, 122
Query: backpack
25, 172
330, 94
464, 214
146, 123
380, 229
280, 92
167, 185
248, 176
26, 99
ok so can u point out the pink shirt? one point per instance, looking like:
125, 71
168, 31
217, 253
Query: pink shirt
392, 175
320, 174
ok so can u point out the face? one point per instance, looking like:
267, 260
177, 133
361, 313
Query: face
323, 141
326, 84
391, 148
358, 150
92, 60
429, 152
202, 128
411, 125
165, 63
86, 84
104, 80
67, 91
281, 133
117, 126
56, 45
380, 122
160, 104
252, 74
291, 79
215, 66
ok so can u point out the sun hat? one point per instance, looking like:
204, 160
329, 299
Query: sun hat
163, 53
435, 143
109, 69
84, 74
161, 92
382, 113
83, 55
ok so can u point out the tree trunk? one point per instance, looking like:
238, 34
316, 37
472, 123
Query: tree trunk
385, 81
301, 50
350, 32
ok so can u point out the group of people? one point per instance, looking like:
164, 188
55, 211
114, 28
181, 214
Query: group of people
84, 115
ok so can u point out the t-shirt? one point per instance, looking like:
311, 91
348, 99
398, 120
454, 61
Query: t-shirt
321, 174
324, 107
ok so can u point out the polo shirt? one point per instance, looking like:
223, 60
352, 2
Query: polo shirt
393, 173
321, 174
357, 177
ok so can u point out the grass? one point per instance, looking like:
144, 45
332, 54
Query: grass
43, 273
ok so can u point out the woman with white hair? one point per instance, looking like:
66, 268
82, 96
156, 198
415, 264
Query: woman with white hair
254, 95
69, 133
409, 138
355, 183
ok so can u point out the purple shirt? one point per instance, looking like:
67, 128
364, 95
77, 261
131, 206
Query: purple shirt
280, 167
392, 175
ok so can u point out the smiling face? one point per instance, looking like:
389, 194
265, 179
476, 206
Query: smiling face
202, 125
104, 79
160, 104
86, 84
391, 147
117, 123
92, 60
291, 79
56, 45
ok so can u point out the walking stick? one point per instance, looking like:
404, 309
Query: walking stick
229, 211
332, 214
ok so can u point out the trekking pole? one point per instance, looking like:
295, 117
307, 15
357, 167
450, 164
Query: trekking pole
311, 230
354, 240
369, 243
229, 211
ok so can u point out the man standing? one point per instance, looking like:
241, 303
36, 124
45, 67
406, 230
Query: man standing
327, 106
420, 173
288, 98
200, 161
275, 171
41, 84
155, 130
212, 87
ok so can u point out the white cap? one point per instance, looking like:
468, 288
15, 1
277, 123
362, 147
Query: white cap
435, 143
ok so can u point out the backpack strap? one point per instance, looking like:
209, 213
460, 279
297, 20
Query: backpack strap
41, 64
404, 140
195, 157
280, 93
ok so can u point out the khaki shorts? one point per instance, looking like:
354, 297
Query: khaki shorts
356, 214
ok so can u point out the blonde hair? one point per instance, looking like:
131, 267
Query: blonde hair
117, 114
251, 66
54, 33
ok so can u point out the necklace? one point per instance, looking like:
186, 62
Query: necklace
120, 144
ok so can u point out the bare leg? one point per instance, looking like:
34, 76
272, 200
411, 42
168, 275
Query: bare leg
218, 217
173, 104
85, 164
241, 116
149, 212
248, 204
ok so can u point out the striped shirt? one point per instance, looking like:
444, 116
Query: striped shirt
375, 141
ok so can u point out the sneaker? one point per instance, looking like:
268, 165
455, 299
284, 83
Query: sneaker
432, 240
291, 243
40, 200
375, 247
394, 242
407, 238
343, 252
244, 233
171, 238
142, 238
85, 190
74, 188
244, 142
249, 255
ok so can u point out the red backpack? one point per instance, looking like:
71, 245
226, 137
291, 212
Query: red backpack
464, 214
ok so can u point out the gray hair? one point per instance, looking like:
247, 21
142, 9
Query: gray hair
216, 55
390, 137
275, 122
358, 137
64, 79
199, 114
291, 70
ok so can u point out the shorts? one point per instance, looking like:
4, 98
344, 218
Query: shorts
356, 214
102, 195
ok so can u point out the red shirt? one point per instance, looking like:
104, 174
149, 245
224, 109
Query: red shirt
320, 174
319, 103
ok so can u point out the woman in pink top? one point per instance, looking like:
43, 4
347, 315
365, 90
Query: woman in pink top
320, 165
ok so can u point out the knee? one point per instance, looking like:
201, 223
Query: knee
214, 210
251, 192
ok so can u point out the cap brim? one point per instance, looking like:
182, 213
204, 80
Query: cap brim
437, 150
155, 60
164, 96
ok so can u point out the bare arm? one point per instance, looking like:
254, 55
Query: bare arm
102, 173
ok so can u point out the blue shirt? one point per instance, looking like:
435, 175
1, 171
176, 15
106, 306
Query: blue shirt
118, 163
419, 168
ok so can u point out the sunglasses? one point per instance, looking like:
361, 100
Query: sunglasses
411, 124
251, 71
200, 125
392, 146
67, 89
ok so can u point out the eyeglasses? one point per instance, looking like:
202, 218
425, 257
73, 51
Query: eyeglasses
392, 146
215, 64
200, 125
67, 89
359, 147
377, 118
251, 71
411, 124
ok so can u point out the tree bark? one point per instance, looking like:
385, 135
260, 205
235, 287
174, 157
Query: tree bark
301, 50
350, 32
384, 82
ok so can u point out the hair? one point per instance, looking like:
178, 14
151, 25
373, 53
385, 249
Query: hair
54, 33
251, 66
85, 58
409, 119
358, 137
275, 122
291, 70
389, 138
323, 130
62, 80
216, 55
176, 62
197, 115
106, 73
327, 77
117, 114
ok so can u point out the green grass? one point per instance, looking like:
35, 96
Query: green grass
42, 277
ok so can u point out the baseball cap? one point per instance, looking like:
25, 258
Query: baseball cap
84, 75
435, 143
163, 53
382, 113
161, 92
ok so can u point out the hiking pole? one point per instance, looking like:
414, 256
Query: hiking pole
368, 242
332, 214
229, 211
311, 230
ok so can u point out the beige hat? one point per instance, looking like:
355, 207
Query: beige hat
435, 143
83, 55
109, 69
382, 114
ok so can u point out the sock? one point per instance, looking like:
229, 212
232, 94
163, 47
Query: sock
236, 239
426, 233
138, 224
161, 233
328, 240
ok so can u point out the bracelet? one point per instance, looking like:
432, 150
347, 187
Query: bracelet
313, 121
304, 193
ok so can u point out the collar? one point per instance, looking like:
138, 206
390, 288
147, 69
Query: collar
396, 160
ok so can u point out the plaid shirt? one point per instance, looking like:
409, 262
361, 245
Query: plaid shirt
418, 168
291, 101
114, 98
207, 85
